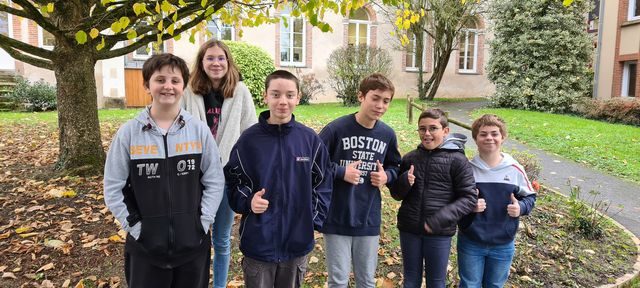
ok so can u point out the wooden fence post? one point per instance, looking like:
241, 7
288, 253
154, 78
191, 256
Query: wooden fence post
410, 109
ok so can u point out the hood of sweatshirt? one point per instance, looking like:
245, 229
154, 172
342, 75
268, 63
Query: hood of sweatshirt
507, 161
144, 118
454, 141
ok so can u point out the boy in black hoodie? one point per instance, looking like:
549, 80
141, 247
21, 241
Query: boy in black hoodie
437, 189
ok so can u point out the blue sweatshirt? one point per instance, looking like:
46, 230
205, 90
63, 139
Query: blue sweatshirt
494, 226
291, 163
355, 209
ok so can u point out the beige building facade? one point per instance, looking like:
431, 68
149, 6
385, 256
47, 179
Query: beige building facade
618, 51
298, 47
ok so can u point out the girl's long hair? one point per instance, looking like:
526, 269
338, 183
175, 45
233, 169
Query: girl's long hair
200, 82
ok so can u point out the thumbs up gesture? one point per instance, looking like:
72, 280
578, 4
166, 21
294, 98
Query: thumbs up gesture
352, 174
410, 176
513, 209
378, 177
258, 204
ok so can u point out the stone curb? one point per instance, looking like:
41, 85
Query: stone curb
624, 280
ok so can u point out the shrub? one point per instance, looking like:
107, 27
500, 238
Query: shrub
626, 111
38, 96
309, 87
254, 64
348, 65
530, 162
587, 215
540, 54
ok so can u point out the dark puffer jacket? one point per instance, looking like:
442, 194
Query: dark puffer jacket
443, 192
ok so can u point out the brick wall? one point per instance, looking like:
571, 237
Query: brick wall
618, 70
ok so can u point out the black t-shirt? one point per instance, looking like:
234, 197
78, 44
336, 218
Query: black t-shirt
213, 110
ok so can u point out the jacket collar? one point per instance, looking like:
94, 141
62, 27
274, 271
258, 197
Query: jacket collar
275, 128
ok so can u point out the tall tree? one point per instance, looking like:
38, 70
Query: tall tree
86, 31
441, 21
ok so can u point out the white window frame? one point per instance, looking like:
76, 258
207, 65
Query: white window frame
626, 78
137, 56
632, 8
413, 67
358, 23
465, 46
215, 27
290, 28
10, 22
41, 39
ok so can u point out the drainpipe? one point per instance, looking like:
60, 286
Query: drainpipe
596, 69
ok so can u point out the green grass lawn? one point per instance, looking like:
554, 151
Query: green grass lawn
612, 148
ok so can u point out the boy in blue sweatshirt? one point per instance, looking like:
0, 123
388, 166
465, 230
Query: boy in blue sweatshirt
486, 239
163, 182
278, 180
365, 157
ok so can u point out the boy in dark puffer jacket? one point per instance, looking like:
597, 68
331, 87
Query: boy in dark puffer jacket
437, 189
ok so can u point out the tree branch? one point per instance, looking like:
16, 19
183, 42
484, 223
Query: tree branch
149, 38
19, 55
13, 11
34, 14
7, 42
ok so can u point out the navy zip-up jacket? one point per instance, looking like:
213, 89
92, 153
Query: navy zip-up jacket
291, 163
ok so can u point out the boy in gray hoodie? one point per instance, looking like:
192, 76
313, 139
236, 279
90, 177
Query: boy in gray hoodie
163, 181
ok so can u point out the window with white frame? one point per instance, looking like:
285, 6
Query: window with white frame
220, 31
468, 49
634, 9
358, 28
292, 40
146, 51
46, 39
411, 55
629, 76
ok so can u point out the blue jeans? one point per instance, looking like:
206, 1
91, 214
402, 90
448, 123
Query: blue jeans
221, 241
430, 252
482, 265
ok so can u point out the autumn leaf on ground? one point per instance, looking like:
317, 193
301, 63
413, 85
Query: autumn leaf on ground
45, 267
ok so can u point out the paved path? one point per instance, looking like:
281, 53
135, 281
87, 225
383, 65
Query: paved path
558, 171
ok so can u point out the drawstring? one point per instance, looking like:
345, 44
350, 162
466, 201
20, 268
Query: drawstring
148, 126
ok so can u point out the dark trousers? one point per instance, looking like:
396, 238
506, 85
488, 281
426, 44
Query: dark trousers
430, 252
289, 274
141, 273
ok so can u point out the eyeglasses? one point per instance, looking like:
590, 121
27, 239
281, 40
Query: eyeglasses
217, 59
423, 130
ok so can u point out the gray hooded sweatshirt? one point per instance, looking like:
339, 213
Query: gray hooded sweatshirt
164, 189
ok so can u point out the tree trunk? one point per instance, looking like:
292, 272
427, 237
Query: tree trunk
431, 86
80, 142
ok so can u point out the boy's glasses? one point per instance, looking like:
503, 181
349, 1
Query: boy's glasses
423, 130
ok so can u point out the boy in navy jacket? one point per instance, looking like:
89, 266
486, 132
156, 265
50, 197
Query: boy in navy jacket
278, 179
365, 157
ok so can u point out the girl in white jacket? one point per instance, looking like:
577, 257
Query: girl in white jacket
217, 96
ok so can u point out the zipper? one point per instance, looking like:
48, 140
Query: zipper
278, 223
167, 177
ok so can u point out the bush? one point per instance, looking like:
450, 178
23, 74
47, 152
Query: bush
309, 87
254, 64
612, 110
39, 96
540, 55
348, 65
587, 215
530, 162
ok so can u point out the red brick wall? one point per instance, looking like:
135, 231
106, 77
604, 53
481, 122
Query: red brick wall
618, 70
